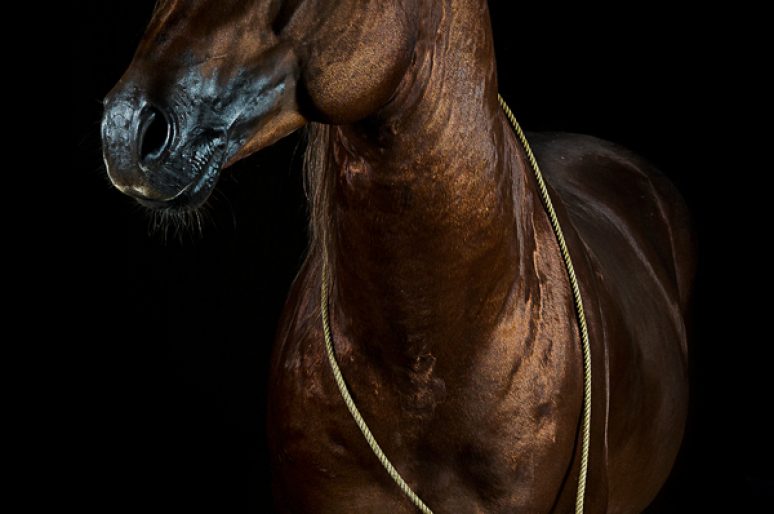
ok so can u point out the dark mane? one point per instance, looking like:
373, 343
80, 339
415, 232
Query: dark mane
319, 181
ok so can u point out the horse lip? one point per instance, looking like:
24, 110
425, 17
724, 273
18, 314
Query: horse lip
154, 204
194, 193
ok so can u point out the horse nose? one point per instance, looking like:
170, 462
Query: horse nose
137, 136
154, 135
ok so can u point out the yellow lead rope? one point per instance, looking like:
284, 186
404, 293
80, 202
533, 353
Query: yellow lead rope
586, 421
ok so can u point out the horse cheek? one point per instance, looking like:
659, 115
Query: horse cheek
350, 76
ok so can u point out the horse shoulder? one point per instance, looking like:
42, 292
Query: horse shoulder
632, 242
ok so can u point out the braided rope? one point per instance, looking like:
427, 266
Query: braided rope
586, 423
578, 301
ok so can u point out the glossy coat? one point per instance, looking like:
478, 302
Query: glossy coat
450, 306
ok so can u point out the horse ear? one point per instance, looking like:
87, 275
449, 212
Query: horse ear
352, 58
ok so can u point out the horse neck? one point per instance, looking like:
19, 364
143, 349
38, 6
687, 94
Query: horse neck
430, 213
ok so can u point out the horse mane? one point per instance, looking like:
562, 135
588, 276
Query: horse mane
319, 182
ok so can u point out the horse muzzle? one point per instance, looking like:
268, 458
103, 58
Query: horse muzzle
165, 139
156, 154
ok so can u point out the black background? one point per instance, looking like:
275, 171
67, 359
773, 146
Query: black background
173, 344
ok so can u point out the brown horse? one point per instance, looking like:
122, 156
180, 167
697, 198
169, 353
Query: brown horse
450, 306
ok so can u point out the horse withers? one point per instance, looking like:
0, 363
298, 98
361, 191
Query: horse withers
450, 309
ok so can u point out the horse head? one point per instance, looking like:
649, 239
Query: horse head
213, 81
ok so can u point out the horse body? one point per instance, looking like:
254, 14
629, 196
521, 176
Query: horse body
630, 232
452, 315
450, 307
503, 439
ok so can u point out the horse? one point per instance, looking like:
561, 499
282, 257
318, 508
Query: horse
450, 308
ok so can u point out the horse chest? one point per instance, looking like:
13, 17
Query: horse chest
491, 444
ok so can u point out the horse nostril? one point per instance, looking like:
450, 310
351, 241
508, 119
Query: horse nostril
155, 134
